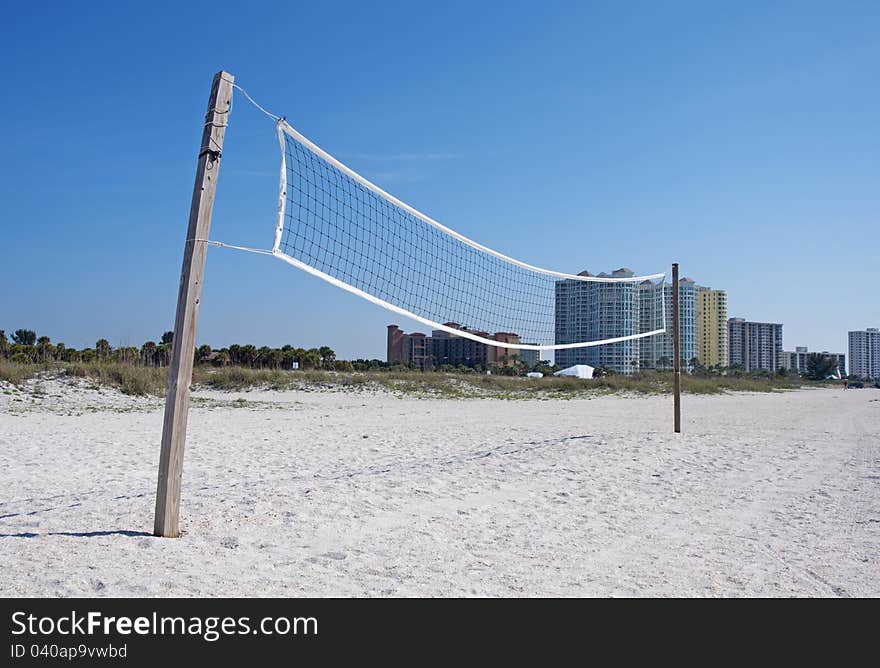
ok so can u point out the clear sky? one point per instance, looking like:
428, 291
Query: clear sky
740, 139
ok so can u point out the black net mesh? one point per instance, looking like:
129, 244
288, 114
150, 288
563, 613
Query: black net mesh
337, 225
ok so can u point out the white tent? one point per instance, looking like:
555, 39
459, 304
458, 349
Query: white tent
578, 370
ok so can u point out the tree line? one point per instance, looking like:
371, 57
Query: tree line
26, 348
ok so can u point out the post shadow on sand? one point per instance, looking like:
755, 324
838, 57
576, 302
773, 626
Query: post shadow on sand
79, 534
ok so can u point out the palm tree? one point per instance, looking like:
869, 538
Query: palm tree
264, 357
163, 354
312, 358
102, 349
204, 353
26, 337
44, 348
327, 355
248, 355
148, 353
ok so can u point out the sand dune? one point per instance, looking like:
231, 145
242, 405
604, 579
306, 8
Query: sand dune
367, 494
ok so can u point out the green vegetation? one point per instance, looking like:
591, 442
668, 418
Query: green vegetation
26, 348
128, 378
140, 380
143, 371
15, 373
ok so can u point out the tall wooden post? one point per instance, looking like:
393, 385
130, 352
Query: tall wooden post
188, 298
676, 347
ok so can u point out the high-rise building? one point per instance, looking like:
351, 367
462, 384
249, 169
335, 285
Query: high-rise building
754, 345
590, 311
797, 360
864, 353
711, 327
658, 351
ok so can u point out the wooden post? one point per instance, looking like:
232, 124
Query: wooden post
188, 298
676, 347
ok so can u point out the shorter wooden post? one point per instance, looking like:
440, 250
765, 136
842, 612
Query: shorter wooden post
676, 346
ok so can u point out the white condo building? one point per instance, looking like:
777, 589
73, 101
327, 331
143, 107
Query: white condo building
864, 353
588, 310
658, 351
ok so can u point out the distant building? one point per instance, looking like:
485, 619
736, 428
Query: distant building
864, 353
529, 357
794, 361
797, 360
448, 349
591, 311
412, 350
711, 327
754, 345
504, 356
658, 351
422, 352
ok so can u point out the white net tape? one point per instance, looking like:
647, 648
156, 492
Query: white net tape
336, 225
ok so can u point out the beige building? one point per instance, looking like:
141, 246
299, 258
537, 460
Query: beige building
712, 345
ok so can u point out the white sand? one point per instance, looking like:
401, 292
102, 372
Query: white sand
332, 494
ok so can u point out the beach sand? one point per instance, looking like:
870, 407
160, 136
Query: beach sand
368, 494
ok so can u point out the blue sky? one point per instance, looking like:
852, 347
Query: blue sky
740, 139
